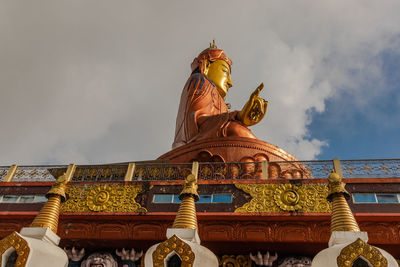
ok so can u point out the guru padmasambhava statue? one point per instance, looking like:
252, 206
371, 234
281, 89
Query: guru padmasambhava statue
203, 113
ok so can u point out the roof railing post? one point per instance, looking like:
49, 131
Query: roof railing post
337, 168
195, 169
11, 173
130, 171
264, 166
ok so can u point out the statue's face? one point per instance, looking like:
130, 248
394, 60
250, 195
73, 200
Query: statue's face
220, 73
99, 260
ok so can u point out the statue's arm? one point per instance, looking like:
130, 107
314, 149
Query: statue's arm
255, 108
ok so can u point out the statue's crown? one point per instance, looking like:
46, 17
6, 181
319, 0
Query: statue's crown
211, 54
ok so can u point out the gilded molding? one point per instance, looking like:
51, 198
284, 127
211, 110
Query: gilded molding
19, 244
173, 244
102, 198
359, 248
235, 261
279, 198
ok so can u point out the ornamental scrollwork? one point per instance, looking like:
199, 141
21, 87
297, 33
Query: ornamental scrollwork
359, 248
102, 198
178, 246
280, 198
20, 246
235, 261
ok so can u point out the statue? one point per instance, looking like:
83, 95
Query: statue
203, 113
129, 258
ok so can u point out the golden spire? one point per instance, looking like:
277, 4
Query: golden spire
186, 217
342, 218
48, 215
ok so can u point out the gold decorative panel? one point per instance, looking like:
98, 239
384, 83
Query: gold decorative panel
178, 246
359, 248
235, 261
20, 246
285, 198
102, 198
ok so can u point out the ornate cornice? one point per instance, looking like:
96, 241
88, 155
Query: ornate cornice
279, 198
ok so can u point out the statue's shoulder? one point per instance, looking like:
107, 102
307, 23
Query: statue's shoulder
198, 83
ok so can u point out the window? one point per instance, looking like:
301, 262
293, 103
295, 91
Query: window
22, 199
387, 198
364, 198
204, 198
380, 198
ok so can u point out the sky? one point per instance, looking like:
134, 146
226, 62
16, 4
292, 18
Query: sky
98, 81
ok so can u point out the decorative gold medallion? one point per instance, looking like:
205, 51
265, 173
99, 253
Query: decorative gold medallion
235, 261
173, 244
104, 198
99, 198
358, 249
285, 198
20, 246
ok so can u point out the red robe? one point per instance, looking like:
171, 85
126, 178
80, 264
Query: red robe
203, 114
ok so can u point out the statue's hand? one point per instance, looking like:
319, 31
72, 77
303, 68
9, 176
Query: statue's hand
255, 108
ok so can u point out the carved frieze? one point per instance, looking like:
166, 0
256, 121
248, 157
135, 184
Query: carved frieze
102, 198
279, 198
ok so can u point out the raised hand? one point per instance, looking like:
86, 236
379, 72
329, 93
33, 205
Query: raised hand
264, 260
129, 255
255, 108
75, 255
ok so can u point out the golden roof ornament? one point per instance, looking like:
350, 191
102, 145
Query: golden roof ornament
48, 215
342, 219
186, 216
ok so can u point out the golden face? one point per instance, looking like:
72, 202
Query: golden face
220, 73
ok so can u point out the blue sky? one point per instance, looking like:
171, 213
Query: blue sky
367, 131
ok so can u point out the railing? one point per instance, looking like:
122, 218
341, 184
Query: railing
149, 171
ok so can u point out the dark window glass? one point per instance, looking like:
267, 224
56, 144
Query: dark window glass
387, 198
364, 198
222, 198
162, 198
205, 199
26, 199
9, 199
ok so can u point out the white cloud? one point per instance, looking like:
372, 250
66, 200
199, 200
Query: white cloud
100, 81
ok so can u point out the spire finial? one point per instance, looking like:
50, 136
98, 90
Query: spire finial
48, 215
342, 219
212, 45
186, 216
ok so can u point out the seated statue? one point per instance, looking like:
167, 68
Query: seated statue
203, 113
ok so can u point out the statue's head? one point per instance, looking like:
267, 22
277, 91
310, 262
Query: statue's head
213, 63
100, 259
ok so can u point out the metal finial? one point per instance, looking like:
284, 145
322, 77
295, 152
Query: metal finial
212, 45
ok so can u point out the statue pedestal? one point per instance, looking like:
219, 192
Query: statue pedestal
227, 149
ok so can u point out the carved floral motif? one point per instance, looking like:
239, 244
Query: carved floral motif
20, 246
104, 198
235, 261
285, 197
178, 246
359, 248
